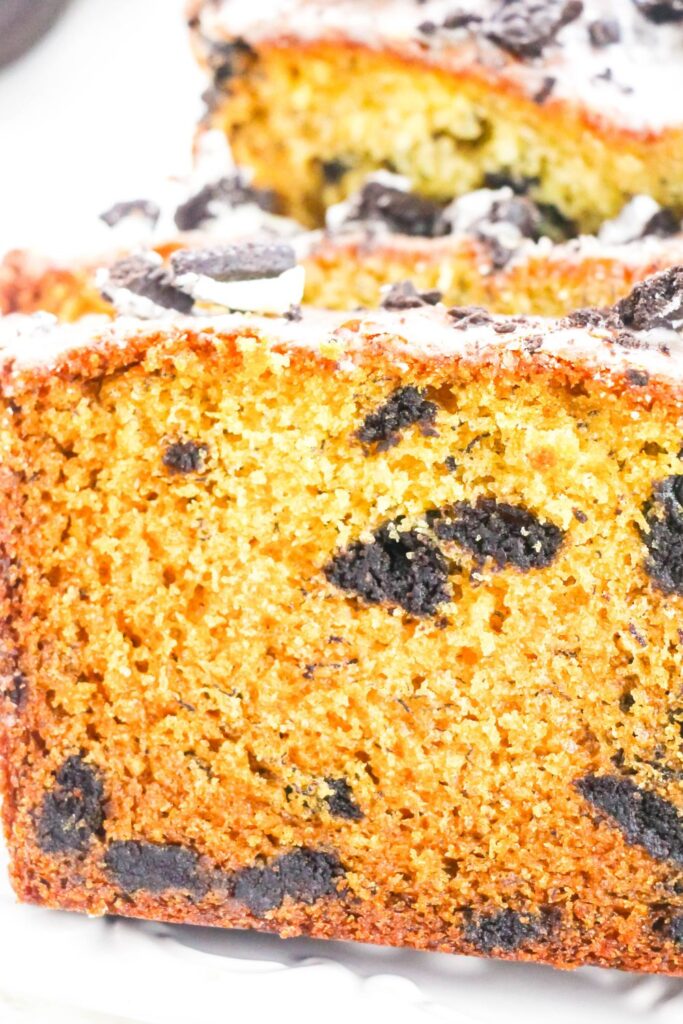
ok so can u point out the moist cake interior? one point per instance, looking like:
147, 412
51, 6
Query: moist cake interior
444, 130
418, 622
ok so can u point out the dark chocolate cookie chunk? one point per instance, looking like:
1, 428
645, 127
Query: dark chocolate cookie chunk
403, 212
604, 32
17, 690
304, 875
664, 536
333, 171
405, 407
396, 568
153, 867
72, 812
340, 802
259, 889
645, 818
662, 224
404, 295
655, 302
141, 276
145, 209
23, 22
184, 457
226, 193
308, 875
507, 930
676, 929
526, 27
229, 59
251, 261
661, 11
509, 535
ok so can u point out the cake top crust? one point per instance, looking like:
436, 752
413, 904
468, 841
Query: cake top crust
621, 60
595, 341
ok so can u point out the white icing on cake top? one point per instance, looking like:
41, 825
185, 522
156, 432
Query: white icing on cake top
40, 343
636, 83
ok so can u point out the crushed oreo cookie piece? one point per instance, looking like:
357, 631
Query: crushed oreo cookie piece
333, 171
228, 60
664, 535
184, 456
526, 27
259, 889
145, 209
308, 875
304, 875
638, 378
545, 91
470, 316
508, 535
554, 224
508, 930
655, 302
145, 277
402, 568
226, 193
662, 224
340, 802
604, 32
405, 407
645, 818
72, 812
675, 930
661, 11
17, 690
251, 261
403, 212
503, 179
404, 295
153, 867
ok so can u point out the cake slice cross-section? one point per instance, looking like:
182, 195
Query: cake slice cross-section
580, 98
354, 626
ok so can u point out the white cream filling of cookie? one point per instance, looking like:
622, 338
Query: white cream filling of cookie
273, 295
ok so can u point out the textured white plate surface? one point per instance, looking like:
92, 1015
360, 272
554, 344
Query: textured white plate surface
101, 111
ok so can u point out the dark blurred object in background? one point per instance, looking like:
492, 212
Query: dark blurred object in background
23, 22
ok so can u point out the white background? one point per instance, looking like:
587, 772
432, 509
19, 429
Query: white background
101, 111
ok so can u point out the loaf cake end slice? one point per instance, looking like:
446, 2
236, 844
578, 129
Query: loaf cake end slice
354, 626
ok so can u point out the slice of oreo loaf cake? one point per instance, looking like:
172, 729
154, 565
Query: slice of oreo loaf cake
495, 247
581, 97
354, 626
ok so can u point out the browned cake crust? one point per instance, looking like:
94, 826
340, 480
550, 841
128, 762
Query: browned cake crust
141, 781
